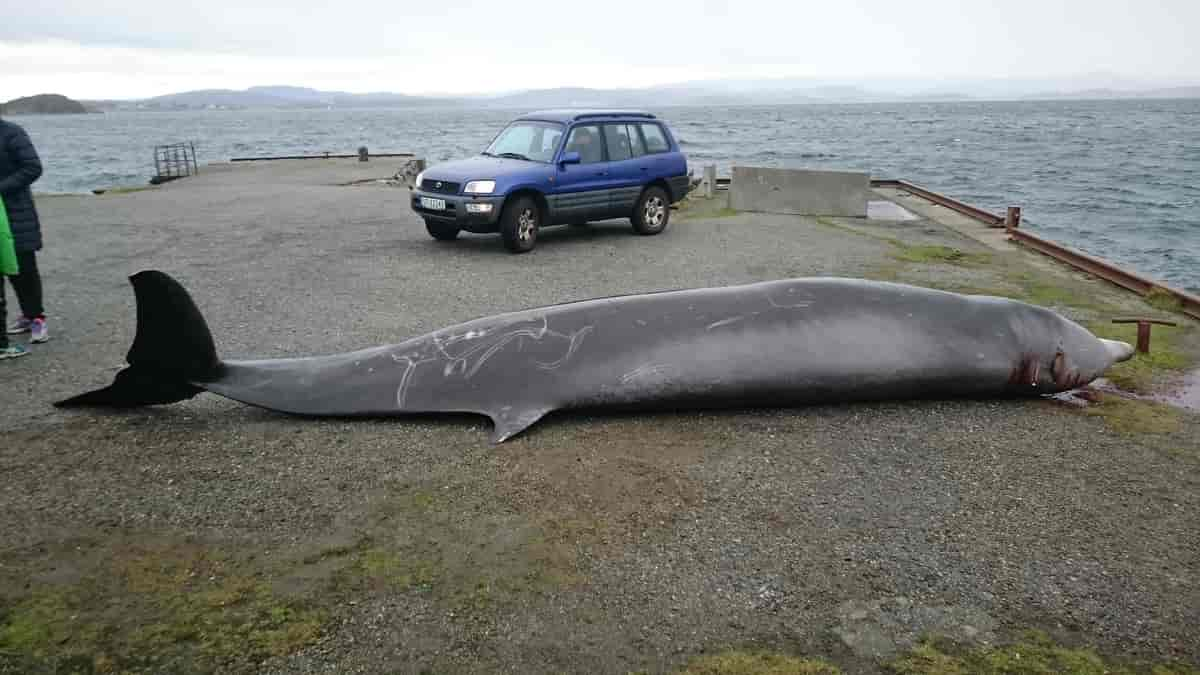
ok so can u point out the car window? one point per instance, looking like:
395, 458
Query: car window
536, 141
547, 143
655, 140
616, 138
586, 140
637, 148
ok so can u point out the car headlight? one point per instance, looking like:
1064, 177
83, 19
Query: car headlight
419, 177
480, 187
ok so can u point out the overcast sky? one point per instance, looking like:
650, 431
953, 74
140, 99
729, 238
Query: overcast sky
139, 48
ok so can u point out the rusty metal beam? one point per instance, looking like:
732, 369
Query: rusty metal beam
989, 219
322, 156
1143, 333
1188, 303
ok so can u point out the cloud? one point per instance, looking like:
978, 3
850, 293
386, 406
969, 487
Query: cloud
137, 48
94, 72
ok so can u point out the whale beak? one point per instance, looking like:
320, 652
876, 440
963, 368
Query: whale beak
1119, 351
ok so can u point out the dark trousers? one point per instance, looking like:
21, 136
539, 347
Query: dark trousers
28, 286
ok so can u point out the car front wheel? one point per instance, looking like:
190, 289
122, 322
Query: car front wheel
519, 224
441, 231
652, 211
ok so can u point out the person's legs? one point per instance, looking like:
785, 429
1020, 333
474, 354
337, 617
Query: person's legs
7, 351
28, 284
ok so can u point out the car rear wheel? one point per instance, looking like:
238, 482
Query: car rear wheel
519, 224
652, 211
441, 231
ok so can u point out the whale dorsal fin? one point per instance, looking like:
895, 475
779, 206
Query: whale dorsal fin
509, 421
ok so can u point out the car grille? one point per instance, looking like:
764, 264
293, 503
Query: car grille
447, 188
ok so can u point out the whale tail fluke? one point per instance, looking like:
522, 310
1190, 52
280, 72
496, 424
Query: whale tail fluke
172, 349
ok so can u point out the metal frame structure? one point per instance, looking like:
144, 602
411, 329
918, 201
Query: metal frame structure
174, 161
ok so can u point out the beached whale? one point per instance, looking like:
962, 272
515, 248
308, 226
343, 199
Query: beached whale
775, 343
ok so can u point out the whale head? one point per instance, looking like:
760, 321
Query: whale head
1080, 357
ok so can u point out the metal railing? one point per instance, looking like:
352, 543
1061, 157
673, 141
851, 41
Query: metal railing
1189, 304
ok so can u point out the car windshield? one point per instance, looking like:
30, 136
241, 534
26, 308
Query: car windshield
533, 141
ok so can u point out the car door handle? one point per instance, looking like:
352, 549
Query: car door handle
645, 168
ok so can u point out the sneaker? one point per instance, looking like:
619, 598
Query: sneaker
12, 352
21, 325
38, 328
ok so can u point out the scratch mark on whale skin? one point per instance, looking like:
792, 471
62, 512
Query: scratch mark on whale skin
468, 362
648, 371
726, 322
576, 339
410, 366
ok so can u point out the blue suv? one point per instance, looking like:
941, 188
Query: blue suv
557, 167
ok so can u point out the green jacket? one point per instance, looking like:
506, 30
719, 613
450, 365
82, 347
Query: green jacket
8, 253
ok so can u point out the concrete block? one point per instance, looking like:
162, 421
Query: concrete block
800, 191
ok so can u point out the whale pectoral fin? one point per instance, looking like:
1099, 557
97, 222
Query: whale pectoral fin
512, 420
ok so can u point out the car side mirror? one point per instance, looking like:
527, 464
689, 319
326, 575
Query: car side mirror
571, 157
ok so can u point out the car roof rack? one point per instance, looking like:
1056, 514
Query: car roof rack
575, 114
613, 113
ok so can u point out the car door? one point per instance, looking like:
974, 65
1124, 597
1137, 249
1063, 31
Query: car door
582, 190
628, 169
658, 159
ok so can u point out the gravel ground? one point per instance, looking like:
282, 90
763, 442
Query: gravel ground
592, 543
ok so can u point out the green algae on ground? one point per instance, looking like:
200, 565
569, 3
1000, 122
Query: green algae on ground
693, 208
1038, 290
928, 254
1161, 298
1035, 654
398, 571
757, 663
1135, 418
128, 189
1140, 373
150, 606
933, 254
473, 568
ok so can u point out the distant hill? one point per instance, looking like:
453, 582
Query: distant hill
43, 104
687, 94
940, 96
1109, 94
704, 92
279, 97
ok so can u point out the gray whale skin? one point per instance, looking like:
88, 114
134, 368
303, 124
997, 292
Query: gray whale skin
774, 343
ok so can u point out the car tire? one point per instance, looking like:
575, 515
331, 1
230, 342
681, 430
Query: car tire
652, 211
519, 224
441, 231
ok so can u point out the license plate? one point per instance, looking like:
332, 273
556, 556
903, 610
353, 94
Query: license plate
435, 204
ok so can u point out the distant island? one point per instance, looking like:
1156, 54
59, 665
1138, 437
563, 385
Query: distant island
703, 92
268, 97
43, 104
